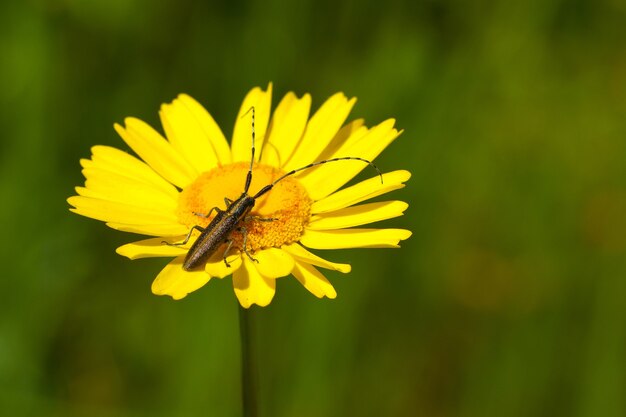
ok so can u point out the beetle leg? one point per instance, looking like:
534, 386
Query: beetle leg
259, 219
228, 201
230, 243
196, 227
206, 216
244, 232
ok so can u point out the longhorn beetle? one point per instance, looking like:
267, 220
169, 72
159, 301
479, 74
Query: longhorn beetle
237, 212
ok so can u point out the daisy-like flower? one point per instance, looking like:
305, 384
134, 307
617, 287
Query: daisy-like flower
193, 170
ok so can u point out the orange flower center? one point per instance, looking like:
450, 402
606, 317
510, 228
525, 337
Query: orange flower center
288, 203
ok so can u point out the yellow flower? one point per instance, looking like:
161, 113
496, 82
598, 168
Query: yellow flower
194, 170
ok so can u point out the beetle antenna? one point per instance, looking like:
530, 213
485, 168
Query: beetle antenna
268, 187
249, 176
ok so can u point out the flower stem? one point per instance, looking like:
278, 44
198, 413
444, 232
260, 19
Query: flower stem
248, 369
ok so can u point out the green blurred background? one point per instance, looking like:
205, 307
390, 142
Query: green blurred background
509, 299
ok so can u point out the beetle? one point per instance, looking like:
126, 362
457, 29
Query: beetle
237, 212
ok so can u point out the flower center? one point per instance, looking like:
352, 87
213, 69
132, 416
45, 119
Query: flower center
288, 203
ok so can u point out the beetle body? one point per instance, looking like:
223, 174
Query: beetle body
218, 231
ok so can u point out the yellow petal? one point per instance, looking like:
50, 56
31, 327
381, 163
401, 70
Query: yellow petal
302, 255
122, 190
114, 160
115, 212
211, 129
187, 136
157, 152
346, 136
169, 230
362, 191
103, 176
216, 267
174, 281
242, 134
357, 215
320, 130
286, 128
313, 280
152, 248
354, 238
273, 262
251, 287
325, 179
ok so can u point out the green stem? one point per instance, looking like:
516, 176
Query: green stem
248, 370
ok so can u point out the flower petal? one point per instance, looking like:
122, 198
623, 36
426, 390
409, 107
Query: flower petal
105, 177
152, 248
325, 179
157, 152
116, 188
362, 191
216, 267
286, 128
187, 136
313, 280
302, 255
112, 160
211, 129
357, 215
115, 212
251, 287
167, 230
174, 281
320, 130
346, 136
273, 263
354, 238
242, 134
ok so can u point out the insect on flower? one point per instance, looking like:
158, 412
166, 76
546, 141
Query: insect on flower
237, 213
292, 198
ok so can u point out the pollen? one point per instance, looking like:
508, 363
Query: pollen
278, 217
